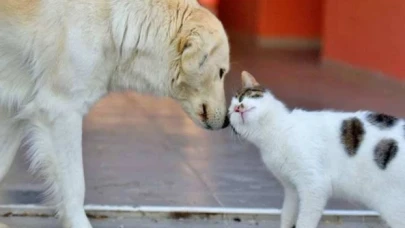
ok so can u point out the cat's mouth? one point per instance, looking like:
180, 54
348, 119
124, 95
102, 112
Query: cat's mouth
242, 113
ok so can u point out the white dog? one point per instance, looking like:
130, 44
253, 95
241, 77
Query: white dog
59, 57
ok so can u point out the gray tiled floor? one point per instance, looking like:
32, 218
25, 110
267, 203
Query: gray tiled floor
153, 223
137, 155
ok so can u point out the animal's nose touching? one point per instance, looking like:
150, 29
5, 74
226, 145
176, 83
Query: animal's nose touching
213, 121
239, 108
240, 111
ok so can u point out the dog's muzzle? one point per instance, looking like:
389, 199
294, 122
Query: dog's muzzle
226, 122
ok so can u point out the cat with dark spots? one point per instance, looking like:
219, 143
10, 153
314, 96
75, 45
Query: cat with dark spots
317, 155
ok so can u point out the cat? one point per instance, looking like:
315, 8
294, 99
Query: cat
317, 155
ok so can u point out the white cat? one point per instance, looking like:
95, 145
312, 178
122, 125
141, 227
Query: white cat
321, 154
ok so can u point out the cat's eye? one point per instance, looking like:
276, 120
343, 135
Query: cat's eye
256, 96
221, 73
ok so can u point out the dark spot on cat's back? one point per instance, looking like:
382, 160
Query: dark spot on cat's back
384, 152
381, 120
352, 134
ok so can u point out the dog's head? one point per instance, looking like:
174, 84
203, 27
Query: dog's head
202, 64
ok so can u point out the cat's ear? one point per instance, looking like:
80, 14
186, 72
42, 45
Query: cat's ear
248, 80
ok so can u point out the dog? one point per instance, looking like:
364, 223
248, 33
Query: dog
59, 57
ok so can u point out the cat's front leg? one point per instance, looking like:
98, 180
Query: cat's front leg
312, 203
289, 212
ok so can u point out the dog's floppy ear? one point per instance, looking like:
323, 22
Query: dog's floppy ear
193, 54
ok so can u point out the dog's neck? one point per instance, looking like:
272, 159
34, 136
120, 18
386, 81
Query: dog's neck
145, 45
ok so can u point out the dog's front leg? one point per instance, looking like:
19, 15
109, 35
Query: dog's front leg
56, 153
67, 138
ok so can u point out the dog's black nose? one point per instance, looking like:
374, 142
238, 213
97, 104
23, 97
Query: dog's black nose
226, 122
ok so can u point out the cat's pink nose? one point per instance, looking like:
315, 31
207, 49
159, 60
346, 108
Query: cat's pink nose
238, 108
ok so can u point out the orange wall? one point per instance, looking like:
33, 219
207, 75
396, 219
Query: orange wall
239, 15
212, 5
290, 18
366, 33
273, 18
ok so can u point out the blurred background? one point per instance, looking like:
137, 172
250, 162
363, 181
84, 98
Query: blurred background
320, 53
367, 35
313, 54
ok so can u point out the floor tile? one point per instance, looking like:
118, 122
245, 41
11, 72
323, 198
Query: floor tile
23, 222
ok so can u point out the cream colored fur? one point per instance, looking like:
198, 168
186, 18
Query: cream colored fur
59, 57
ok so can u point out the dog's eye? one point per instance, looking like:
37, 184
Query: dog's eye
221, 73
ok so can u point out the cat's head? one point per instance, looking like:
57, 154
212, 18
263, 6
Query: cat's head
249, 103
